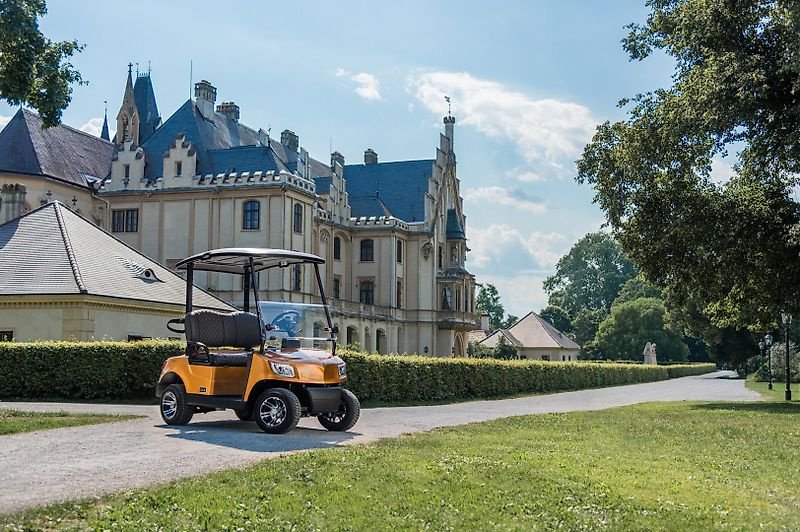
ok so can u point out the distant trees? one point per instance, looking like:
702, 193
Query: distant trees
488, 301
33, 69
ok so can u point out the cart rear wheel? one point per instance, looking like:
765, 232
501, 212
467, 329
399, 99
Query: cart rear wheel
347, 415
174, 410
277, 411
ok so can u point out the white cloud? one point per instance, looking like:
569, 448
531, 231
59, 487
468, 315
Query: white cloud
367, 85
4, 120
548, 133
501, 247
519, 294
526, 176
721, 170
504, 196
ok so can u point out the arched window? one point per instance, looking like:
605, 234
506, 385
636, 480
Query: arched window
366, 292
367, 250
447, 298
251, 215
298, 218
337, 248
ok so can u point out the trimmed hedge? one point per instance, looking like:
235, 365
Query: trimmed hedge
687, 370
122, 370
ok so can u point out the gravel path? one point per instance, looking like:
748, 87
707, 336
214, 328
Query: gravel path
44, 467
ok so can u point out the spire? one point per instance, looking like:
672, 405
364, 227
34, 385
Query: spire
104, 133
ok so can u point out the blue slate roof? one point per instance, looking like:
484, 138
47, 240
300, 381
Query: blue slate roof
60, 152
222, 145
397, 187
323, 184
145, 99
453, 227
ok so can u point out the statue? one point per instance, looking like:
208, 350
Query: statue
649, 354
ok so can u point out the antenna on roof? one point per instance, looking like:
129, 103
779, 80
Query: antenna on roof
148, 67
447, 99
190, 79
137, 69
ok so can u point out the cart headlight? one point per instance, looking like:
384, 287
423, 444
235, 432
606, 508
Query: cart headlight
284, 370
342, 370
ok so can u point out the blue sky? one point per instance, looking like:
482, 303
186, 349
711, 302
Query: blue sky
529, 80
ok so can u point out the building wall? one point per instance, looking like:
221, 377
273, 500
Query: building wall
35, 195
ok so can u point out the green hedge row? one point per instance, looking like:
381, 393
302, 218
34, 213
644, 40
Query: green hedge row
121, 370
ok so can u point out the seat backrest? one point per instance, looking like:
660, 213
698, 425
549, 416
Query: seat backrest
218, 329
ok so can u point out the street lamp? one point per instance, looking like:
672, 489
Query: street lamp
786, 318
761, 346
768, 343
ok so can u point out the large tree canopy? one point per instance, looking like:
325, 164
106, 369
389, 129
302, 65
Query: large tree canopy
590, 275
729, 250
33, 69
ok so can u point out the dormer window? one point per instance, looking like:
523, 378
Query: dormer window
126, 170
178, 169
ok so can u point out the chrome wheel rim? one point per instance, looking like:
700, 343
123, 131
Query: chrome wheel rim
338, 416
169, 405
272, 411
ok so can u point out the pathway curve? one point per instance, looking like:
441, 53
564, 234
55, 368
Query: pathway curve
44, 467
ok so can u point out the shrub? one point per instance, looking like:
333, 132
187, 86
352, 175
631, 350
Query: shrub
686, 370
121, 370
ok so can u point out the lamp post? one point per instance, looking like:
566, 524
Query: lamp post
768, 343
761, 346
786, 318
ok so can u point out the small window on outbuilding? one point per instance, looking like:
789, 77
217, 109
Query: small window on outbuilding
6, 335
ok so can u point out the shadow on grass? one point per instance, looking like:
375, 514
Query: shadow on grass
248, 437
764, 407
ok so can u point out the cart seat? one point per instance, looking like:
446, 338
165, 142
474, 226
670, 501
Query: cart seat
236, 360
220, 329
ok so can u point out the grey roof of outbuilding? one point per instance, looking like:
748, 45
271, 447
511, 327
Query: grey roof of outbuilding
60, 152
532, 331
399, 187
145, 98
52, 250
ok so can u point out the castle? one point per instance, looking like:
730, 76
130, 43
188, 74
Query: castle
393, 233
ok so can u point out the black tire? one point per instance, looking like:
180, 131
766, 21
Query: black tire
277, 411
347, 415
173, 407
245, 414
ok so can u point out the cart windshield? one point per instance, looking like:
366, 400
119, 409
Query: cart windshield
296, 325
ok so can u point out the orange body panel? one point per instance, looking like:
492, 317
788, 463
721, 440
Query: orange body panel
310, 367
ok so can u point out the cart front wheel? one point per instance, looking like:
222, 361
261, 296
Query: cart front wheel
347, 415
277, 411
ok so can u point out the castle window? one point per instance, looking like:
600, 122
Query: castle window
367, 250
441, 252
337, 248
125, 221
399, 252
297, 275
337, 288
251, 212
298, 218
447, 298
366, 292
126, 169
178, 168
399, 294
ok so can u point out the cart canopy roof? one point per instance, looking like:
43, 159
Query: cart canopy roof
235, 260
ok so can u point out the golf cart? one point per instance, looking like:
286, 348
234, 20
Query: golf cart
273, 365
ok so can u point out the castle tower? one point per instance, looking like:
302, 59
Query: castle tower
128, 116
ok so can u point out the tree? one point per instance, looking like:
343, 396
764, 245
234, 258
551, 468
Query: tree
730, 250
636, 287
631, 325
488, 301
509, 321
33, 69
590, 275
586, 323
558, 318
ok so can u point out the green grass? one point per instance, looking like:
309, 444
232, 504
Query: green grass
679, 466
14, 421
778, 390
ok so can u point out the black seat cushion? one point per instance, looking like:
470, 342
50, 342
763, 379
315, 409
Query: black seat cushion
238, 360
223, 329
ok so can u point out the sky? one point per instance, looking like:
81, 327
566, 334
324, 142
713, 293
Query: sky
528, 80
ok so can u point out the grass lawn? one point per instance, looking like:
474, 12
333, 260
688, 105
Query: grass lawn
13, 421
777, 393
675, 466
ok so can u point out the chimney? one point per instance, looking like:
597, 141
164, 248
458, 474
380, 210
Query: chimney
370, 157
485, 322
290, 140
12, 201
203, 90
337, 157
229, 109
